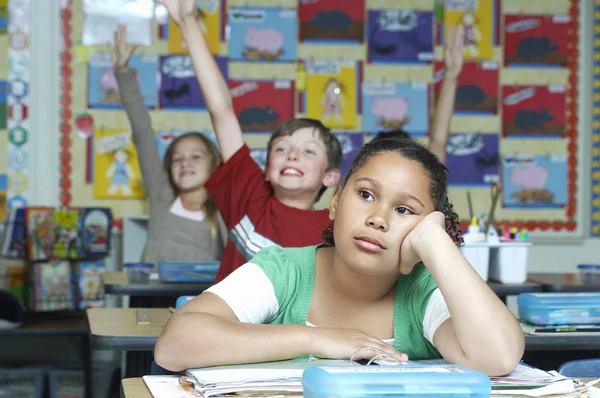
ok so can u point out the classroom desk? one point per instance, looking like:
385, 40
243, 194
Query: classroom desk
118, 283
136, 388
565, 283
70, 325
117, 329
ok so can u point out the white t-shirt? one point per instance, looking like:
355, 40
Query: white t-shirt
178, 209
259, 304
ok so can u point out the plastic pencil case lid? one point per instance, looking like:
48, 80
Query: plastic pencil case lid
589, 267
139, 265
394, 381
558, 300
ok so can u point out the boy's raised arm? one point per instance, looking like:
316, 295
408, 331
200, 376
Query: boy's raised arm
453, 59
213, 85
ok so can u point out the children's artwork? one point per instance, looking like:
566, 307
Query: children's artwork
538, 181
262, 105
3, 104
210, 24
103, 90
533, 111
477, 87
116, 169
536, 40
39, 221
475, 19
400, 36
179, 88
95, 227
66, 241
332, 20
14, 238
389, 105
3, 16
3, 188
102, 17
91, 291
351, 144
331, 92
165, 137
263, 34
473, 159
52, 288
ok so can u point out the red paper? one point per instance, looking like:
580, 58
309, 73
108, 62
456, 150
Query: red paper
332, 20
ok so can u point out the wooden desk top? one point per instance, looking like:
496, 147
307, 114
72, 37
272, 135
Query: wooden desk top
118, 283
569, 282
117, 328
136, 388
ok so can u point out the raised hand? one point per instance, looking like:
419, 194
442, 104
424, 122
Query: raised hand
180, 9
120, 51
338, 343
454, 50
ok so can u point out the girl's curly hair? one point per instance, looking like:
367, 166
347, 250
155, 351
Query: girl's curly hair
436, 171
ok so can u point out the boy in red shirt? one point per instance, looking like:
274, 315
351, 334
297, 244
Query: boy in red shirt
276, 207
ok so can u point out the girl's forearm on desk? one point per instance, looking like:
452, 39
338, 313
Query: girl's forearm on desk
484, 327
193, 339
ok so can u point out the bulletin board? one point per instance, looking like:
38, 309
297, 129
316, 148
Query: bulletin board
516, 143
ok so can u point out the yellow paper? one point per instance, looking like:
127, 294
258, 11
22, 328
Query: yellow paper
331, 93
210, 24
116, 169
82, 53
475, 18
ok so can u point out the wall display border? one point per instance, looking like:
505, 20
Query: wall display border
595, 171
66, 56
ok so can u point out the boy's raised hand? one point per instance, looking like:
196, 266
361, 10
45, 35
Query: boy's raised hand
454, 51
120, 51
179, 9
339, 343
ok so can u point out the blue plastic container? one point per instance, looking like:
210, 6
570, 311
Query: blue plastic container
138, 272
589, 273
559, 308
187, 271
394, 381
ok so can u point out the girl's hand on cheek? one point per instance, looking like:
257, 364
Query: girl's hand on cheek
416, 240
338, 343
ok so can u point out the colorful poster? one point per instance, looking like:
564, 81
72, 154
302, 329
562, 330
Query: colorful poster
165, 137
400, 36
210, 24
475, 18
179, 88
388, 106
263, 34
473, 159
477, 87
536, 40
3, 106
331, 92
351, 144
103, 90
3, 16
534, 181
332, 20
116, 169
534, 111
3, 188
262, 105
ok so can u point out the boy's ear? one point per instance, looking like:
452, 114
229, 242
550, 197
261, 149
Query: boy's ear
334, 202
331, 178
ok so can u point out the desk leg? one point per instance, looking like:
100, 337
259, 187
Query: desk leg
88, 375
138, 363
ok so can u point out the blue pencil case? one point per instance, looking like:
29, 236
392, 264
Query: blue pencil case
559, 308
187, 271
394, 381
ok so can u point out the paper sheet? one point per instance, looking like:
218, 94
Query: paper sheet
101, 18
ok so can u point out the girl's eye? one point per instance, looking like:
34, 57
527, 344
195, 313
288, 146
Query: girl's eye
280, 149
310, 152
403, 210
197, 156
365, 195
177, 160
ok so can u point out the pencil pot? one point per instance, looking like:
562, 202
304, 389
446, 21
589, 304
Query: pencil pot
508, 263
394, 381
559, 308
478, 255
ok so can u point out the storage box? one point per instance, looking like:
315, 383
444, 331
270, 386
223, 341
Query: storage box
478, 255
187, 271
394, 381
589, 273
508, 262
559, 308
138, 272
